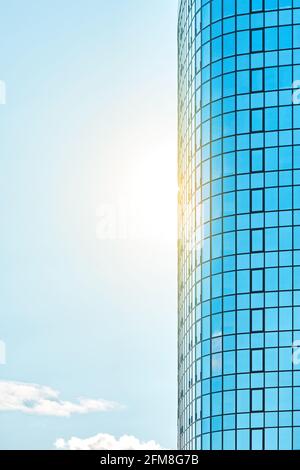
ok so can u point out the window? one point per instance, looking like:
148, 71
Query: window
229, 84
243, 241
257, 280
217, 49
257, 400
257, 43
243, 82
257, 439
285, 37
243, 122
257, 200
285, 117
243, 42
285, 77
257, 360
271, 202
243, 202
242, 6
229, 124
257, 160
243, 163
216, 10
271, 439
256, 5
285, 438
257, 241
243, 281
257, 80
229, 8
205, 16
271, 279
271, 39
257, 120
229, 43
271, 79
257, 320
271, 119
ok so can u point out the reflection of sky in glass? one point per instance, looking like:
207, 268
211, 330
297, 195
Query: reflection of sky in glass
239, 301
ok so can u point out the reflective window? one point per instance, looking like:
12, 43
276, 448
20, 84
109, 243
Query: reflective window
239, 224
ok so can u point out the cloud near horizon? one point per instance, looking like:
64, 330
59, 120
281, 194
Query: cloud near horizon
106, 442
44, 401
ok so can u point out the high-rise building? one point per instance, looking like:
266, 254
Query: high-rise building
239, 224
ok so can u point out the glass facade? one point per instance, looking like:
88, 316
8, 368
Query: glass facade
239, 224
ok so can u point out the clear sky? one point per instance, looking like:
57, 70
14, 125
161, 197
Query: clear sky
88, 221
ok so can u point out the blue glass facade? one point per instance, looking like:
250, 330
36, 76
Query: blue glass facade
239, 224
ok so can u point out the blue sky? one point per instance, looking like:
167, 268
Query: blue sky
89, 128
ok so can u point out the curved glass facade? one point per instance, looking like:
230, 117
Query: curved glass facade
239, 224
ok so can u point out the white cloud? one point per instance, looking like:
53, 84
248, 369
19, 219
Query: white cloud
106, 442
40, 400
